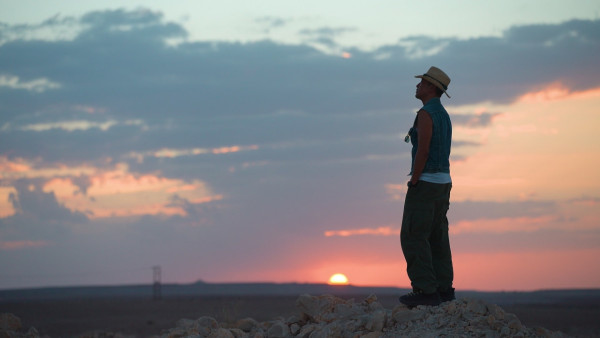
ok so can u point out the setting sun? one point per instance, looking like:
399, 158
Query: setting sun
338, 279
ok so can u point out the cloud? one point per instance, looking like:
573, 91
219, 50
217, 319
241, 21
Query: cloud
381, 231
31, 202
325, 36
18, 245
271, 22
327, 31
39, 85
473, 120
38, 217
218, 149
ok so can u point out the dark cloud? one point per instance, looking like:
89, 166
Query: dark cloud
31, 201
549, 35
324, 36
327, 31
38, 215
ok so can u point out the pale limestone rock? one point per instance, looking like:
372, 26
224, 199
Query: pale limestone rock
347, 310
496, 311
246, 324
317, 308
237, 333
9, 322
376, 321
278, 330
295, 328
513, 322
402, 314
307, 330
321, 332
371, 299
450, 307
477, 306
295, 319
221, 333
329, 316
208, 322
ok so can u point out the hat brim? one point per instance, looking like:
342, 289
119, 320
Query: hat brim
433, 83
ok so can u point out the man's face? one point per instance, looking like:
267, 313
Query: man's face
423, 87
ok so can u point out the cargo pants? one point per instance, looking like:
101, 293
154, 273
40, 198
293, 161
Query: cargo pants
424, 237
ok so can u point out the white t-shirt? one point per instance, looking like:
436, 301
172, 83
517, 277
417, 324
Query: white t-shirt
439, 178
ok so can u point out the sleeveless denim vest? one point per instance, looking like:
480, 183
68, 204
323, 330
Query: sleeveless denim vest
441, 138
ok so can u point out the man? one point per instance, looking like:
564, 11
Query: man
424, 233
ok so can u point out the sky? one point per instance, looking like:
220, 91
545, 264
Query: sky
262, 141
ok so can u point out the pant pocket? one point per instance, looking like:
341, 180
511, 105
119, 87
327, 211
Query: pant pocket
417, 222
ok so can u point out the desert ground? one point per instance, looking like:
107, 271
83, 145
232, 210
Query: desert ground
144, 317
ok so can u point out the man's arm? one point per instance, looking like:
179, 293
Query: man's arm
424, 129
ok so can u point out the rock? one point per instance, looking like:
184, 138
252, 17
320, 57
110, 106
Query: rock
295, 319
9, 322
278, 330
402, 314
376, 321
246, 324
295, 328
307, 330
513, 322
496, 311
450, 307
371, 299
11, 327
317, 308
207, 322
221, 333
237, 333
477, 306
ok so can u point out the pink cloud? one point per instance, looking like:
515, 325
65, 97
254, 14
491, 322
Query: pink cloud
557, 91
12, 166
233, 149
19, 245
121, 193
380, 231
503, 225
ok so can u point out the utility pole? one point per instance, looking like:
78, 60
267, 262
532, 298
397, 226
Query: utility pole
156, 286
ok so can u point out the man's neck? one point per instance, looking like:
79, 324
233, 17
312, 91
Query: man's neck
427, 98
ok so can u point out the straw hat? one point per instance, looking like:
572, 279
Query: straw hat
437, 77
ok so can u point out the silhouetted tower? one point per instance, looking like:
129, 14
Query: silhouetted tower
156, 286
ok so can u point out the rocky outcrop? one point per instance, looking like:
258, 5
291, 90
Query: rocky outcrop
330, 316
10, 326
